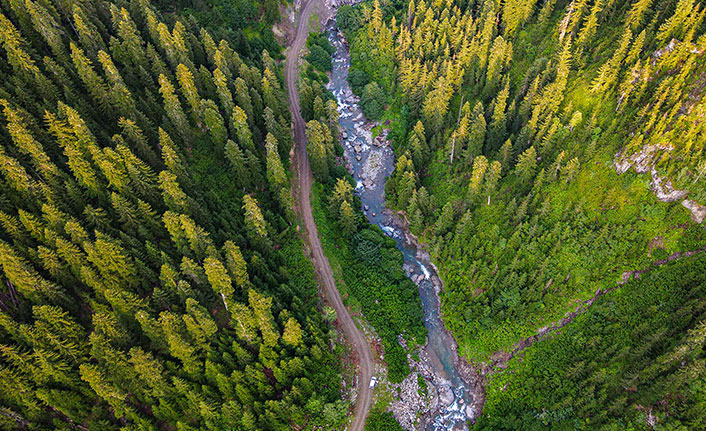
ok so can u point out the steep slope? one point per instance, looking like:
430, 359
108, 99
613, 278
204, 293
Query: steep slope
507, 125
151, 276
544, 148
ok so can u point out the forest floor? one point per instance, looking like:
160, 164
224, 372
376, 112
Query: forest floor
303, 195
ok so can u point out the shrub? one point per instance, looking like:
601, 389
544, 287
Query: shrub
373, 101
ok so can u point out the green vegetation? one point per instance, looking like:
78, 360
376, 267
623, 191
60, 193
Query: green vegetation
505, 134
370, 268
637, 351
519, 127
380, 420
320, 51
372, 101
245, 24
151, 277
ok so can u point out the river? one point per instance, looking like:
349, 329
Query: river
370, 161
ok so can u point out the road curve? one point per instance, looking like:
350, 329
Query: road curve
304, 180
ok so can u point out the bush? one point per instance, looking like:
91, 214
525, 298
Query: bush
358, 79
319, 58
373, 101
348, 19
382, 421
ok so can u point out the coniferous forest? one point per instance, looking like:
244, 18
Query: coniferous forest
545, 150
549, 154
151, 275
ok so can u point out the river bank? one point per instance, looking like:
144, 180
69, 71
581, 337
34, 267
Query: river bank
474, 379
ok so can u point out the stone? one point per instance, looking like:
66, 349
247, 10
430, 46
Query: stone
358, 158
357, 148
446, 395
698, 211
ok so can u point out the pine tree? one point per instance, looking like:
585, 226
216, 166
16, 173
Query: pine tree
480, 164
275, 171
214, 122
139, 144
173, 107
244, 322
199, 323
170, 156
219, 279
292, 332
348, 219
238, 162
492, 176
47, 26
446, 219
527, 164
174, 332
319, 148
224, 94
237, 267
476, 134
26, 143
261, 306
254, 220
242, 98
172, 193
150, 371
96, 86
105, 390
239, 121
88, 34
569, 170
188, 90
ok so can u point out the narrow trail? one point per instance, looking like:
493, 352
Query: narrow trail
323, 269
500, 360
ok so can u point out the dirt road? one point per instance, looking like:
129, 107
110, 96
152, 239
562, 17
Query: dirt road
321, 263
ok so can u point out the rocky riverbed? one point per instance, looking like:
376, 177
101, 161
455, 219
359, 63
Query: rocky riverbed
454, 391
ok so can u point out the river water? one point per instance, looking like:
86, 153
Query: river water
371, 161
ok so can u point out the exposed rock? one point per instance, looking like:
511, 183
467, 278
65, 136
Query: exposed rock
446, 394
410, 403
698, 211
664, 190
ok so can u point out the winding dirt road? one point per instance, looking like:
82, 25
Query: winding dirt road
321, 263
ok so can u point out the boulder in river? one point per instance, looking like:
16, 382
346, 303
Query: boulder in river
446, 395
358, 148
